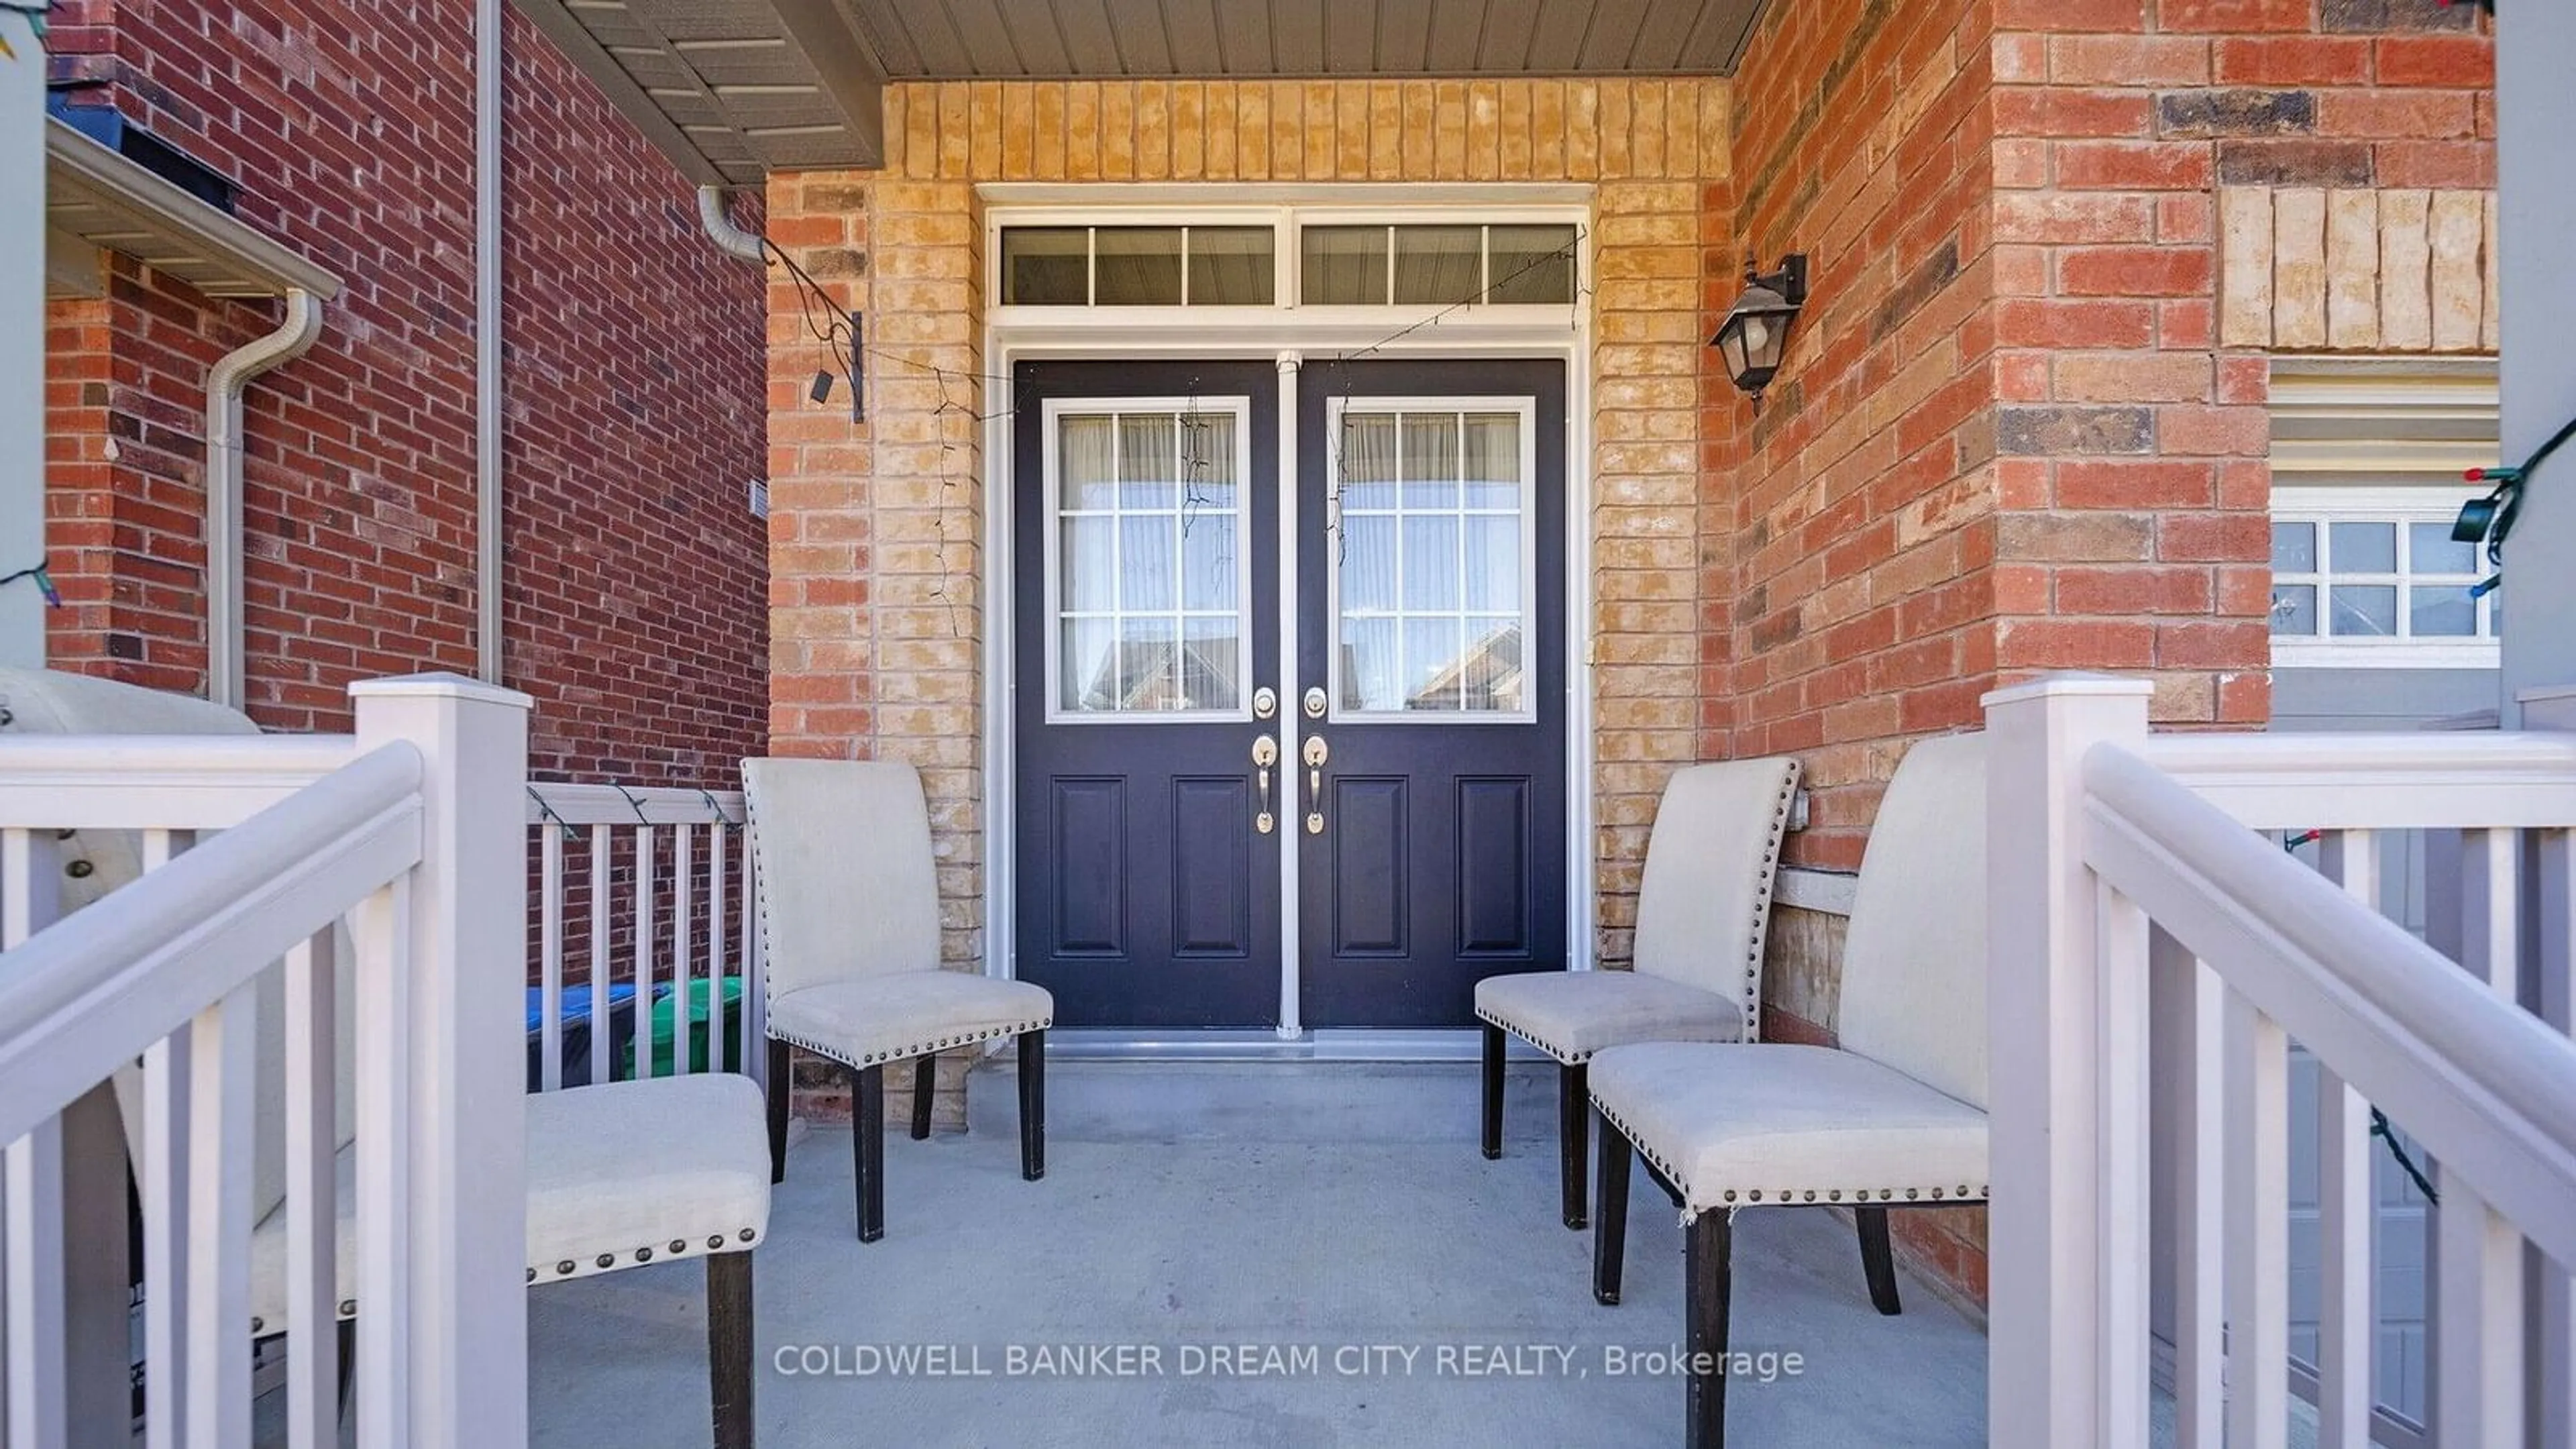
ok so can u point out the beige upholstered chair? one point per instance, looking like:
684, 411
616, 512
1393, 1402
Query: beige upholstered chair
1895, 1118
849, 911
1701, 913
618, 1174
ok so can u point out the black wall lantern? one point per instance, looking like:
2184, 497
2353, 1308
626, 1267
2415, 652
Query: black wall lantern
1755, 334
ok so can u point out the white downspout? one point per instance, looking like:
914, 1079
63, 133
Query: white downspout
224, 385
487, 341
720, 227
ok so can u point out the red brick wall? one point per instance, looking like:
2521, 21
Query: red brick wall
635, 575
1857, 612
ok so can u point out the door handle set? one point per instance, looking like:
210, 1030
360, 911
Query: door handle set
1265, 754
1315, 753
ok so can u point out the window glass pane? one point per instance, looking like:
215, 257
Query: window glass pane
1090, 568
1087, 666
2431, 551
1366, 461
1493, 580
1531, 264
1211, 653
1046, 266
2363, 609
1146, 543
1208, 564
1490, 672
1342, 265
2444, 610
2294, 609
1147, 650
1493, 455
2363, 548
1207, 460
1438, 264
2495, 613
1137, 266
1430, 563
1431, 664
1086, 462
1146, 461
1430, 444
2294, 548
1367, 563
1232, 266
1368, 665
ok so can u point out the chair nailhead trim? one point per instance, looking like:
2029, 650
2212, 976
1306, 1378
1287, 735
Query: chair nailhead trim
348, 1308
605, 1259
565, 1266
679, 1245
714, 1241
907, 1053
643, 1255
256, 1323
532, 1275
748, 1235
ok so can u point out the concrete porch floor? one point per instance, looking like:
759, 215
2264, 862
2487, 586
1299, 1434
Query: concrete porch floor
1269, 1205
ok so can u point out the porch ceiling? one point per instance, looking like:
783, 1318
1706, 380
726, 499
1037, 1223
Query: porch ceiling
731, 89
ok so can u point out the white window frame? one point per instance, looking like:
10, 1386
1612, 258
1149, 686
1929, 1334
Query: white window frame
2393, 502
1526, 409
1052, 600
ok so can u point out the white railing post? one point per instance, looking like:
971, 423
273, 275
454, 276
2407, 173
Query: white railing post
2553, 1341
2051, 1336
464, 1342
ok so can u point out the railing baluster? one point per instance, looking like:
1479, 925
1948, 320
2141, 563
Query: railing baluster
2127, 1206
550, 889
312, 1207
35, 1376
2478, 1350
717, 1042
684, 838
161, 1181
2556, 1369
2199, 1204
381, 930
220, 1122
2346, 1321
603, 1019
2258, 1229
34, 1301
643, 952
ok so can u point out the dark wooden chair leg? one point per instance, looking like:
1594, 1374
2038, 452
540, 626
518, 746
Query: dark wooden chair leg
729, 1351
781, 1086
1573, 1114
1709, 1246
346, 1331
867, 1147
1032, 1105
1610, 1216
1877, 1261
925, 1086
1493, 1138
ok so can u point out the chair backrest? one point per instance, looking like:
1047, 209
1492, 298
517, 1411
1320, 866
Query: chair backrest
49, 702
1704, 905
1914, 961
847, 884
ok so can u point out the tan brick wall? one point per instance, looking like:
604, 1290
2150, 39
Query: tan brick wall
876, 529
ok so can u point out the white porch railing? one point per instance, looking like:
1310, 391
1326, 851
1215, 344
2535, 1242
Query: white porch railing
2127, 888
407, 833
647, 897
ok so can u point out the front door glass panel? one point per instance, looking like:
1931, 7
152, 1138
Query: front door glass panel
1432, 560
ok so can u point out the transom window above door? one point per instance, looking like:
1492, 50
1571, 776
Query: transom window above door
1317, 258
1431, 558
1147, 586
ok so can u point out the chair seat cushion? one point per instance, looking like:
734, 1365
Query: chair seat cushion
626, 1172
1571, 1014
1732, 1126
878, 1019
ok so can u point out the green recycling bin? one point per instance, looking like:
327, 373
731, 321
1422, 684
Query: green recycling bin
666, 1028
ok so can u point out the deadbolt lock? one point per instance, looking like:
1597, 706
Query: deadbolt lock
1315, 702
1265, 702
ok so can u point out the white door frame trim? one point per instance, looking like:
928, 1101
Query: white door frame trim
1287, 341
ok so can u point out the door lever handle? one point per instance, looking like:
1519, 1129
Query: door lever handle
1265, 753
1315, 753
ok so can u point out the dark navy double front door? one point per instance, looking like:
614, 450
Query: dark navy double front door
1409, 746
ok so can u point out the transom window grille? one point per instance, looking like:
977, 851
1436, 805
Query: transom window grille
2383, 574
1431, 569
1147, 584
1139, 266
1435, 265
